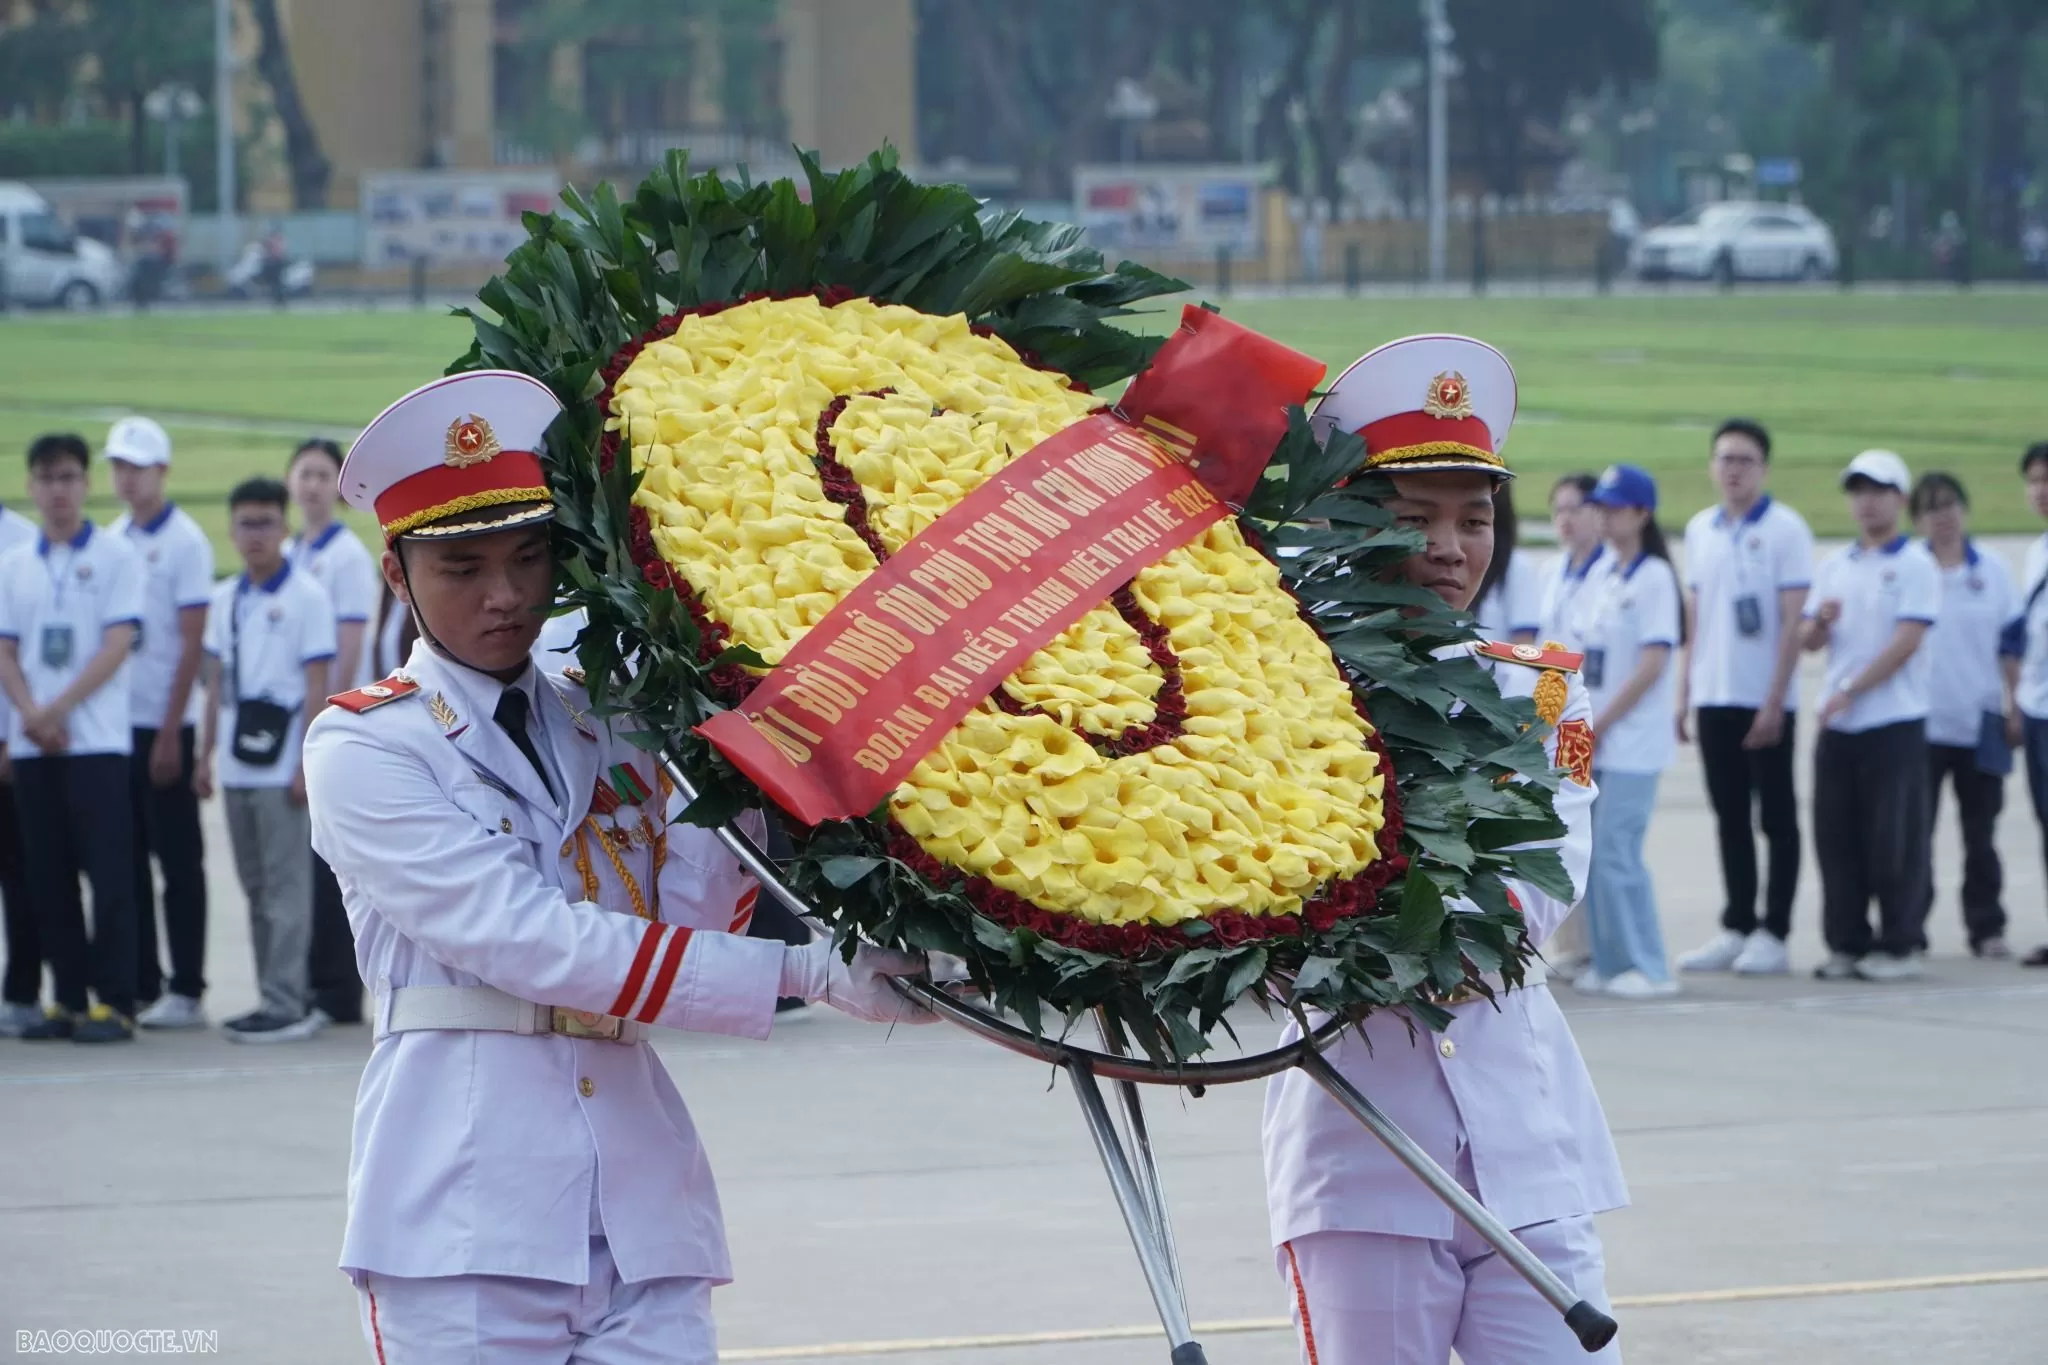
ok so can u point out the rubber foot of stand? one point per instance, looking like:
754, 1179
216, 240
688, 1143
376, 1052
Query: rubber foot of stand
1189, 1353
1593, 1328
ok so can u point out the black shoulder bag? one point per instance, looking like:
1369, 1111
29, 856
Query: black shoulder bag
261, 727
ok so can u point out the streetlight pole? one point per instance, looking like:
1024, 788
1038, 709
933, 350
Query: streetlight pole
1436, 31
224, 132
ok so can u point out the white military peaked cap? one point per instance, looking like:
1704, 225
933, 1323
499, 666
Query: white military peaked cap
457, 457
1425, 403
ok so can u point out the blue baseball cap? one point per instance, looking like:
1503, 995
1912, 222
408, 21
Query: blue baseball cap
1624, 485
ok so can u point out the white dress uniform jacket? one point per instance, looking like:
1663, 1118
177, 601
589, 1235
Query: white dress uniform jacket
1505, 1084
482, 1152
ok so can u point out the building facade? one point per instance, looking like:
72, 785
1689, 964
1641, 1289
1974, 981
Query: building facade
419, 84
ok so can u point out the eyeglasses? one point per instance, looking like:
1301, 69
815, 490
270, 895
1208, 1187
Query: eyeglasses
256, 526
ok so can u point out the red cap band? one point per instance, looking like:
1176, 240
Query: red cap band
1417, 435
444, 490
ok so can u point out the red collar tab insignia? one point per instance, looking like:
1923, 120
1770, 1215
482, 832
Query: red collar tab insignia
470, 441
1449, 396
1575, 751
375, 695
1550, 656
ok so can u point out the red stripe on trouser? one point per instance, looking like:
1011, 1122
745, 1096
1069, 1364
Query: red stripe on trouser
1308, 1331
376, 1332
671, 962
641, 961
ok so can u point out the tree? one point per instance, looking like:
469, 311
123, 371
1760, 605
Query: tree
39, 59
310, 169
1523, 61
138, 45
1931, 90
1047, 72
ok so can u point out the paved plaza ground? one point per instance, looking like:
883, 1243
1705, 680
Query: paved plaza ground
1835, 1175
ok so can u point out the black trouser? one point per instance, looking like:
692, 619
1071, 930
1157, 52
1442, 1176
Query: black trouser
1979, 798
24, 943
75, 817
167, 825
2036, 746
331, 976
1738, 780
1870, 835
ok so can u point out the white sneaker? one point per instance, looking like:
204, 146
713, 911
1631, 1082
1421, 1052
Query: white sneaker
1718, 954
1763, 954
1590, 982
14, 1018
1885, 967
1633, 985
1838, 967
173, 1011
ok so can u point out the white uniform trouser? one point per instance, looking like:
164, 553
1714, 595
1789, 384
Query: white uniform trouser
1371, 1298
1367, 1298
503, 1320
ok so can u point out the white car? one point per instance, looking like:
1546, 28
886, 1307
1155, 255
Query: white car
42, 261
1738, 241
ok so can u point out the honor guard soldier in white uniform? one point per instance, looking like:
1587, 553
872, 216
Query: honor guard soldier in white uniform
525, 1184
1378, 1269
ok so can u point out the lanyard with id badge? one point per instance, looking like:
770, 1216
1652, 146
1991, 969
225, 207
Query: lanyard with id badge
57, 646
1609, 598
1747, 544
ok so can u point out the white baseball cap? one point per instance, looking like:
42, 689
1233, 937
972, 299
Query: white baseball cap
1881, 467
138, 441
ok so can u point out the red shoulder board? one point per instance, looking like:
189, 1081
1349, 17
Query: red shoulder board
375, 694
1532, 656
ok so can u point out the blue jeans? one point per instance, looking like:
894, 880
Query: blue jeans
1621, 899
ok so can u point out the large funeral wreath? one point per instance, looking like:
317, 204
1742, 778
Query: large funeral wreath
1180, 802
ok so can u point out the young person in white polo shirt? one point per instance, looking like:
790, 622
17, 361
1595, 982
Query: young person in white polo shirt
335, 558
1581, 554
1748, 564
1973, 723
269, 642
69, 606
163, 705
1873, 602
1627, 625
23, 988
2032, 690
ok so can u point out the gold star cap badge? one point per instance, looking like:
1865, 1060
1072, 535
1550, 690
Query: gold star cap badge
1449, 396
470, 442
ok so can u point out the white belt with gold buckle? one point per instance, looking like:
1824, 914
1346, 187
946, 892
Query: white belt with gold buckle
412, 1009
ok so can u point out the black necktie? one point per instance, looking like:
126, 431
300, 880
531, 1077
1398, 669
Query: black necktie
513, 709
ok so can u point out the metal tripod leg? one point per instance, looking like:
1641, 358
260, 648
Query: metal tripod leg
1149, 1234
1593, 1328
1140, 1139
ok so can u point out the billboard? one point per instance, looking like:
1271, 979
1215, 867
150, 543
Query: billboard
1191, 209
450, 217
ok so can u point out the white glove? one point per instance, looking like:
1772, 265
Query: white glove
814, 971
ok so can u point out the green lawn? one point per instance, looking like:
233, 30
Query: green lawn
1955, 382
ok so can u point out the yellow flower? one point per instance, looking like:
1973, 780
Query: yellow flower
1269, 792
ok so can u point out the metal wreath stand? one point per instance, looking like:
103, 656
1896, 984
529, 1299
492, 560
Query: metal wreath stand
1127, 1153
